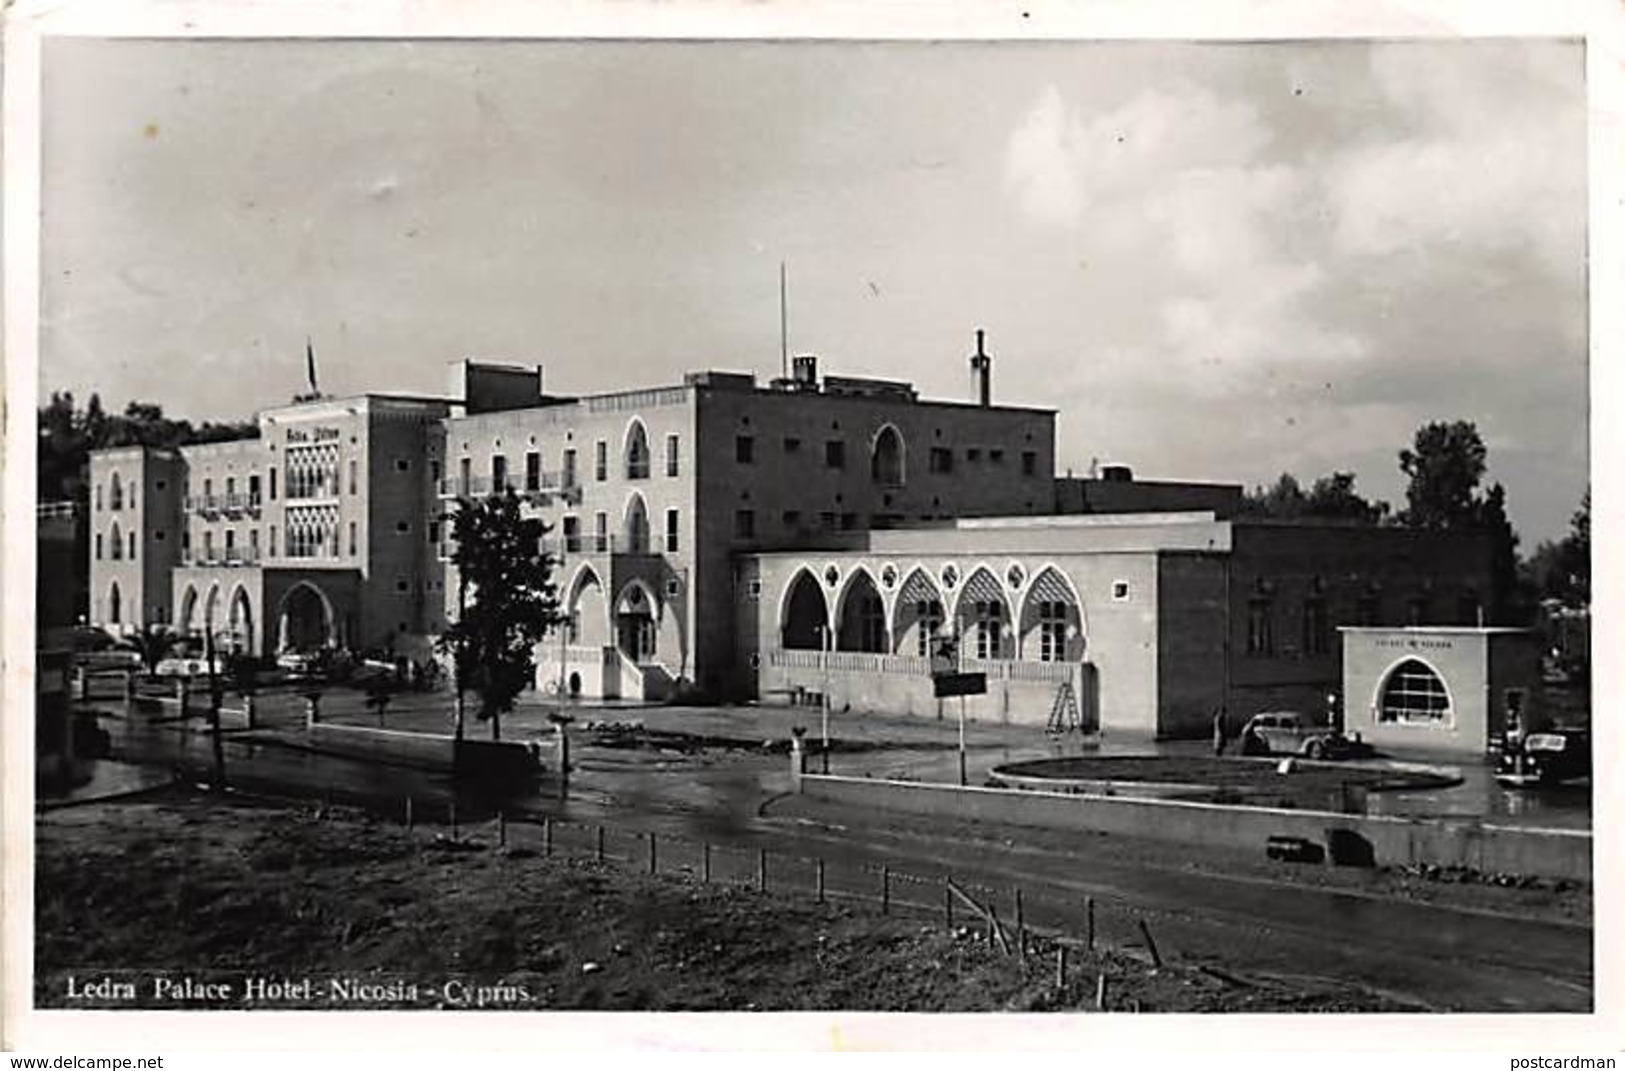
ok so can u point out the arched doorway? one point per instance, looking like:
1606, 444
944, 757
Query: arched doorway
635, 632
305, 619
636, 528
919, 615
983, 618
860, 616
805, 614
1051, 627
589, 615
241, 623
886, 461
115, 605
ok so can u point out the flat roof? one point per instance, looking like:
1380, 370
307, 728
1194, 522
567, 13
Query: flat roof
1434, 630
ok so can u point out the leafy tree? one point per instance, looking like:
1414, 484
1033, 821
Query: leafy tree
1562, 570
154, 643
1445, 463
1330, 498
507, 601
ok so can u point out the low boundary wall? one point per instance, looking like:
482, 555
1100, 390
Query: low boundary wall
1356, 839
502, 759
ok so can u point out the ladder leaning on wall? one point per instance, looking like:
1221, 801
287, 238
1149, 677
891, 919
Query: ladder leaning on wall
1063, 713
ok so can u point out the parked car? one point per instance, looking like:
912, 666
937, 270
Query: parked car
299, 663
1549, 757
1286, 732
189, 665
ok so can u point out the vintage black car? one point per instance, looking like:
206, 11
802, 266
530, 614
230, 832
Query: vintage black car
1548, 757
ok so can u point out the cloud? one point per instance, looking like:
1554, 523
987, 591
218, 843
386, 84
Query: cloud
1467, 174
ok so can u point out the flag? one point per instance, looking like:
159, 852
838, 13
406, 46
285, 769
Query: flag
310, 364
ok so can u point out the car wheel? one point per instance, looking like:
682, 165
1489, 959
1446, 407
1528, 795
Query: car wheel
1316, 749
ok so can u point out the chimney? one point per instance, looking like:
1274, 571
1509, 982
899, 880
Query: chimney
805, 376
981, 371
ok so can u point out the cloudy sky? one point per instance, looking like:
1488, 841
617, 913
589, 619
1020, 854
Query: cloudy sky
1217, 261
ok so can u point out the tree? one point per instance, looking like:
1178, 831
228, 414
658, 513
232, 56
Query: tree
1445, 464
507, 602
1329, 498
1561, 570
154, 643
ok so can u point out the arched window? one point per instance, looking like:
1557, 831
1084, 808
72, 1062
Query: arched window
116, 494
1414, 694
115, 607
637, 452
886, 463
116, 538
637, 526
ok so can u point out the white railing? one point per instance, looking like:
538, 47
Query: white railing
914, 666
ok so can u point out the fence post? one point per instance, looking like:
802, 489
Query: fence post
948, 906
452, 815
1145, 931
502, 829
820, 879
653, 864
547, 836
761, 869
1021, 926
1089, 910
705, 863
180, 696
248, 710
1100, 992
409, 814
885, 890
1060, 966
600, 846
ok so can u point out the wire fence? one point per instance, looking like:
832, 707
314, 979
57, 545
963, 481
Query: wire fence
1015, 919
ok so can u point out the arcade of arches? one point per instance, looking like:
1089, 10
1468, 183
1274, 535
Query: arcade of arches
1050, 627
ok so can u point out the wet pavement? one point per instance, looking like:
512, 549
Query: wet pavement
1433, 955
923, 749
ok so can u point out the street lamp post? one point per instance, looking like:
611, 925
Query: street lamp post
829, 645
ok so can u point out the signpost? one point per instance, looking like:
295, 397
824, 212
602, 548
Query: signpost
947, 680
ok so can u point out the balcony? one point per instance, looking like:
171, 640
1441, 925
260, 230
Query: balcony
548, 485
238, 503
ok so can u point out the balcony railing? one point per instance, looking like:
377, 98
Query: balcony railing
217, 556
546, 485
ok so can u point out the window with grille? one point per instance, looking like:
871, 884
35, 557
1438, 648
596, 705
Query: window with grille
1317, 632
989, 627
1052, 631
871, 624
1260, 628
671, 455
671, 531
600, 460
1414, 694
744, 449
929, 612
533, 471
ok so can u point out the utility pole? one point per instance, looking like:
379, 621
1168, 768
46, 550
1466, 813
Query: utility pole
214, 711
458, 652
